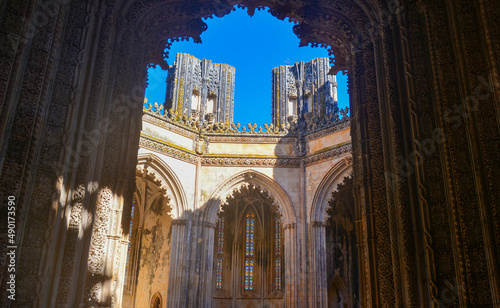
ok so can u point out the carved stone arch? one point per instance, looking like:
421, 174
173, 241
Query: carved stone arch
317, 219
167, 179
257, 179
325, 188
159, 201
156, 301
364, 64
250, 210
287, 210
337, 288
334, 25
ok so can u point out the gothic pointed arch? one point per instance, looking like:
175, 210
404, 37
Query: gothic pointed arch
327, 185
285, 232
320, 243
156, 301
158, 200
255, 178
249, 251
338, 294
167, 179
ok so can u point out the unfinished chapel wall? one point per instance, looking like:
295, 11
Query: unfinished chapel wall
227, 171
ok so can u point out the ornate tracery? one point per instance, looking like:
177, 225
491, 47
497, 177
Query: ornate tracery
248, 254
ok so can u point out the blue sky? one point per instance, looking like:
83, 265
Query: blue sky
254, 46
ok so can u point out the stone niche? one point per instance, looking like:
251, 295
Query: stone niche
148, 263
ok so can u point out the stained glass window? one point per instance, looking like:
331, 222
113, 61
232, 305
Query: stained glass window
249, 251
220, 252
129, 238
277, 252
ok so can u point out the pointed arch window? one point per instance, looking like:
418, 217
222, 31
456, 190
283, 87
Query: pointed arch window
249, 250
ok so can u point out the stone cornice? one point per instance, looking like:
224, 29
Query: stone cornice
167, 149
250, 161
177, 152
327, 154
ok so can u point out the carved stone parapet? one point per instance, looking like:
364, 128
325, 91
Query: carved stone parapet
240, 138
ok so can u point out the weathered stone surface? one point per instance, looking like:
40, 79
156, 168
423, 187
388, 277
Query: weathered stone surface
423, 83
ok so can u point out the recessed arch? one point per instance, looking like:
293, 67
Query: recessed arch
156, 300
325, 188
168, 180
338, 287
257, 179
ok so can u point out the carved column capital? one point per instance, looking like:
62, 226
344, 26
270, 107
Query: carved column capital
210, 225
181, 222
318, 224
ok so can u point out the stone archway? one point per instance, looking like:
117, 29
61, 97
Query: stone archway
249, 253
342, 27
156, 301
286, 208
346, 38
317, 218
73, 89
258, 179
159, 202
337, 292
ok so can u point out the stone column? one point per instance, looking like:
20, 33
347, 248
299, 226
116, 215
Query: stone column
120, 286
318, 284
291, 266
178, 264
95, 291
134, 261
207, 262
